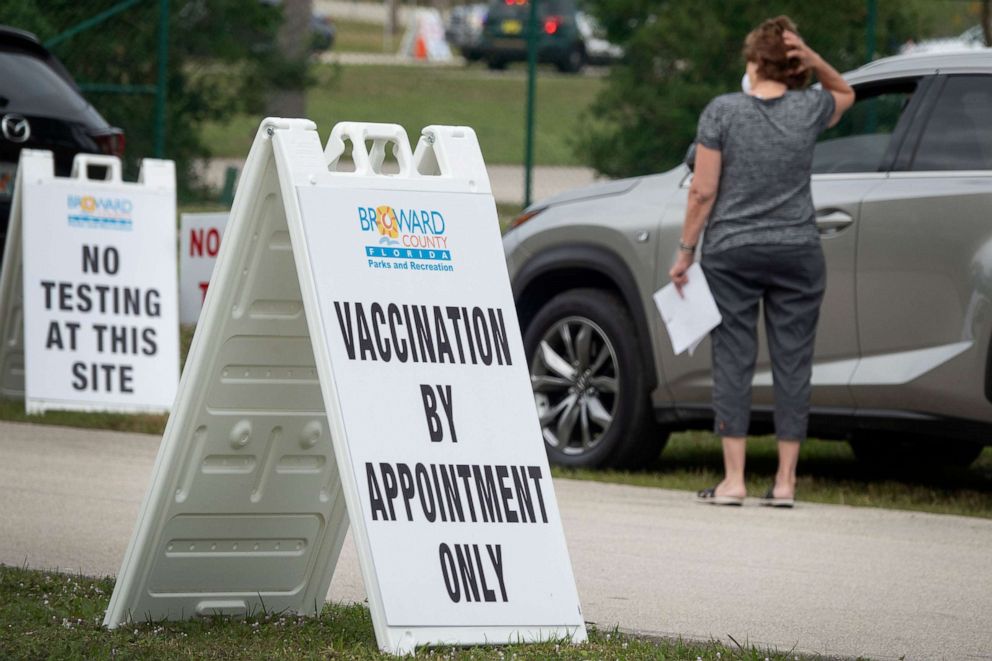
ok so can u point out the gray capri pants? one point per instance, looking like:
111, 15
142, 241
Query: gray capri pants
790, 280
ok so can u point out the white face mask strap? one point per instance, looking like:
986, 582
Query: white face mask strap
746, 84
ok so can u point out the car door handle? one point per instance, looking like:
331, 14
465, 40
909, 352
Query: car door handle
832, 221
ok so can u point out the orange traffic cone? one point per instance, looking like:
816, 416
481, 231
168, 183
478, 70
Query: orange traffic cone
420, 47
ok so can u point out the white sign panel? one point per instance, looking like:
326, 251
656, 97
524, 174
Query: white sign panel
431, 380
99, 287
199, 242
358, 359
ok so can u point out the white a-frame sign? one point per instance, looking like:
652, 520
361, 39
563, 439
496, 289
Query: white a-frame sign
88, 296
358, 358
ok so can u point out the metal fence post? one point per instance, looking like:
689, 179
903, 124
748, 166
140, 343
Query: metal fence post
531, 92
162, 82
870, 37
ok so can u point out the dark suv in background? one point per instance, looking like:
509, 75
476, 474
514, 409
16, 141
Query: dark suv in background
41, 108
560, 41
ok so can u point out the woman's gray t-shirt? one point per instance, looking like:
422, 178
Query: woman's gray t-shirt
766, 148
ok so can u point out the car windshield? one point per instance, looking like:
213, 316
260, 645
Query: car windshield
30, 87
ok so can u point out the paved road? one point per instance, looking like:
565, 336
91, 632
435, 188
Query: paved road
507, 181
832, 580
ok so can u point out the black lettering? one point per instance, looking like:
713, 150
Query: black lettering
424, 338
450, 572
378, 319
437, 489
347, 333
150, 347
390, 487
453, 315
522, 489
364, 336
79, 376
443, 343
465, 473
444, 394
501, 342
468, 335
487, 594
449, 483
83, 294
126, 377
393, 313
496, 555
485, 487
409, 333
535, 474
65, 296
506, 494
467, 572
424, 489
430, 410
482, 339
153, 305
54, 339
91, 259
375, 494
406, 487
48, 285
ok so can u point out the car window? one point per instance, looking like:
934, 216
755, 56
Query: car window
29, 86
958, 135
860, 140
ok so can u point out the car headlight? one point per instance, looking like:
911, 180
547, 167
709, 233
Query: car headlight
525, 216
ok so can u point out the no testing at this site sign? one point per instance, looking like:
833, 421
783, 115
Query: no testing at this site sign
99, 268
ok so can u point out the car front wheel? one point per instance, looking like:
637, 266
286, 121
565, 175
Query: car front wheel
588, 379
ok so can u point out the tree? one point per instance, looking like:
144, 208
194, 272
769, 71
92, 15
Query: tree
679, 55
222, 60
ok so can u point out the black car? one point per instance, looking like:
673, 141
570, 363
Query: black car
41, 108
559, 40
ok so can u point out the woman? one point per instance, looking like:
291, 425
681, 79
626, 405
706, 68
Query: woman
751, 189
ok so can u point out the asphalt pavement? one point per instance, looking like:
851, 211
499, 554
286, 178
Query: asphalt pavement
832, 580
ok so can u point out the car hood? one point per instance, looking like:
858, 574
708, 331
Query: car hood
604, 189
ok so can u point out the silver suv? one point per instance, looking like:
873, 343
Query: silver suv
903, 194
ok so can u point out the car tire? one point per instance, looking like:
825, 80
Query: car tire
573, 61
890, 452
588, 376
496, 63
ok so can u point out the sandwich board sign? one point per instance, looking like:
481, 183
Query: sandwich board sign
199, 242
358, 359
88, 289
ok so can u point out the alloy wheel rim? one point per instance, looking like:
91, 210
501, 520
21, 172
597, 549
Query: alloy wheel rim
575, 377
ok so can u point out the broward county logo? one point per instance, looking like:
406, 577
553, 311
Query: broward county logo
100, 212
408, 239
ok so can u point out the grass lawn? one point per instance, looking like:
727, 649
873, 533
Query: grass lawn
828, 473
50, 615
416, 96
361, 37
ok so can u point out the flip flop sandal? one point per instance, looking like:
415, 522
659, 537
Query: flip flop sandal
769, 499
709, 497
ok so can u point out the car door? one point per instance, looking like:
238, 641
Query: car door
850, 160
924, 266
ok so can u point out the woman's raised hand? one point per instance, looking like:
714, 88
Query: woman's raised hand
797, 48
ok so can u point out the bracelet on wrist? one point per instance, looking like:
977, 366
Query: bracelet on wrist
684, 247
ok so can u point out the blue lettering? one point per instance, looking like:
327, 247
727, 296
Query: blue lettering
366, 218
435, 217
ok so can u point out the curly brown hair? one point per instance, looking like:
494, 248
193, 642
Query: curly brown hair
764, 46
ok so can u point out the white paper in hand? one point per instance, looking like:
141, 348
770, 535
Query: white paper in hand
689, 318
